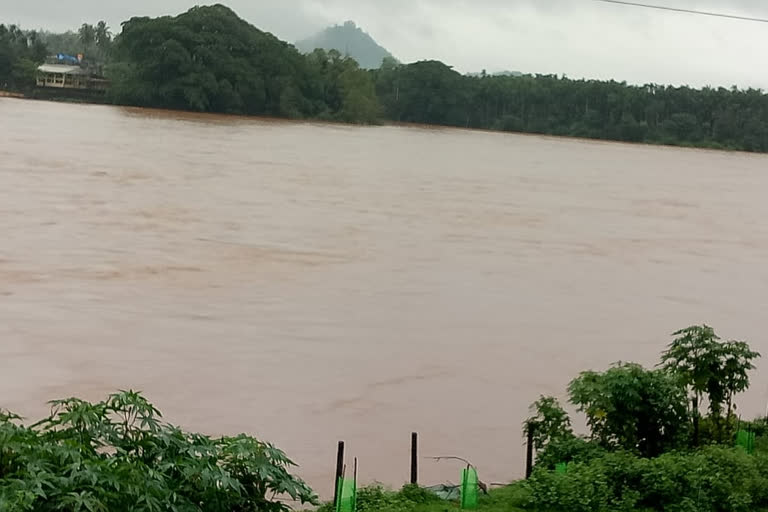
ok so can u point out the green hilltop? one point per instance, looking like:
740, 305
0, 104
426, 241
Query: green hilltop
347, 39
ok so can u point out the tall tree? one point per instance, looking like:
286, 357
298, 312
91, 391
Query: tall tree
20, 53
736, 360
87, 36
692, 356
102, 35
707, 366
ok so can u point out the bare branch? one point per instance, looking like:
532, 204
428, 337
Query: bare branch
450, 457
483, 487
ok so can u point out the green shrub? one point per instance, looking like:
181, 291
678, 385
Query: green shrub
507, 498
417, 494
715, 479
376, 498
548, 423
118, 456
631, 408
599, 486
568, 449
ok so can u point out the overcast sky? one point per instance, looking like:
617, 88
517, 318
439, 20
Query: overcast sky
579, 38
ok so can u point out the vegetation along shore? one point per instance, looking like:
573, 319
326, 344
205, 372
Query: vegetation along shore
648, 447
210, 60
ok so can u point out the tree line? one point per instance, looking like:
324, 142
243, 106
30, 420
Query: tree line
20, 53
208, 59
431, 92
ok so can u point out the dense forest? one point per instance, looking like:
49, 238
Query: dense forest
431, 92
208, 59
20, 53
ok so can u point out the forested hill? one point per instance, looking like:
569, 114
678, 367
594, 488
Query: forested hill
210, 60
348, 39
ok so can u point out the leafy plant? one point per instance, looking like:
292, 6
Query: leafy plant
736, 359
632, 408
549, 422
117, 455
568, 449
708, 366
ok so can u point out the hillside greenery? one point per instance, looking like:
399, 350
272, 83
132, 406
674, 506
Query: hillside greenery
349, 40
210, 60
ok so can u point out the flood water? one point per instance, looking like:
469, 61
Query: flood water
309, 283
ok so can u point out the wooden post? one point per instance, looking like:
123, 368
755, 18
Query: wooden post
529, 454
339, 471
414, 458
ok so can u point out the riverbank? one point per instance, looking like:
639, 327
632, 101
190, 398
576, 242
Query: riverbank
326, 86
90, 99
58, 95
9, 94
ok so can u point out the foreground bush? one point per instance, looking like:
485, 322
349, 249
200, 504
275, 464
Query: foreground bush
712, 479
117, 455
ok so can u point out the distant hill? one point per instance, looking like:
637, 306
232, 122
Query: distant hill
348, 39
498, 73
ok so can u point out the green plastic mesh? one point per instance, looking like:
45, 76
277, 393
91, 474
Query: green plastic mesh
746, 440
347, 495
469, 488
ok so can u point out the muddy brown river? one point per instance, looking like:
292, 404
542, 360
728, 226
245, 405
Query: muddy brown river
308, 283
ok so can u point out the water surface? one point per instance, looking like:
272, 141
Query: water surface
308, 283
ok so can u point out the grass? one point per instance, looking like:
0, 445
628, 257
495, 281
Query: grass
376, 498
508, 499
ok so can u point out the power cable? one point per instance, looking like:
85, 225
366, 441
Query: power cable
687, 11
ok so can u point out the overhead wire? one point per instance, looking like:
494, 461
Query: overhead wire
682, 10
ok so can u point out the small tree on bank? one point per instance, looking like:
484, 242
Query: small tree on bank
549, 422
631, 408
707, 366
